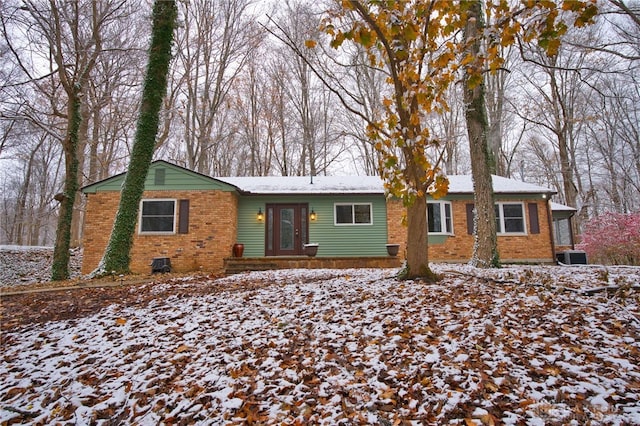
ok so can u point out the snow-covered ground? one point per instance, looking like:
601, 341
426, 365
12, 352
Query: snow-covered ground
519, 345
26, 265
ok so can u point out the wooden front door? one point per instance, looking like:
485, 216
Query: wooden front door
287, 229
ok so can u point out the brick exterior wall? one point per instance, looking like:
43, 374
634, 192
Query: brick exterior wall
396, 230
212, 232
459, 247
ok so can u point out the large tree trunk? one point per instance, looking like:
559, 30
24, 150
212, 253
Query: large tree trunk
485, 248
60, 267
117, 254
76, 221
417, 266
417, 241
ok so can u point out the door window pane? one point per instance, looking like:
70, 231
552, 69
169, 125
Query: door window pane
286, 229
304, 238
270, 229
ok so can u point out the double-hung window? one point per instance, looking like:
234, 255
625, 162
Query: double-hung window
158, 216
439, 217
352, 214
510, 218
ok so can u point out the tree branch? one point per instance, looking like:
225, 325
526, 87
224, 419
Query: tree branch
289, 42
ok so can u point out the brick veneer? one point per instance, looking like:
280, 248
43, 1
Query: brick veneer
396, 228
212, 232
459, 247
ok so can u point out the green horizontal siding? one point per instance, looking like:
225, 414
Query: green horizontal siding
334, 240
437, 239
175, 179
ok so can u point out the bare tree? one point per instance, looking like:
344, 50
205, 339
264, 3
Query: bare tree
614, 133
213, 44
318, 136
279, 117
554, 103
113, 97
252, 109
368, 88
68, 38
497, 85
116, 257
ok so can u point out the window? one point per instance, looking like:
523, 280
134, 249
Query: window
157, 216
510, 218
439, 217
562, 232
352, 214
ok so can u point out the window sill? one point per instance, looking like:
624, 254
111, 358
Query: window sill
150, 233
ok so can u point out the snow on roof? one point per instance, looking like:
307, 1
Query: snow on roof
458, 184
557, 207
307, 185
462, 184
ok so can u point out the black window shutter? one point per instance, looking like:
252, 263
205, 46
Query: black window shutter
534, 224
183, 217
470, 218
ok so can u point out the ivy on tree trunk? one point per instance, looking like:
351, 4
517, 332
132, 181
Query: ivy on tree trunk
60, 266
117, 254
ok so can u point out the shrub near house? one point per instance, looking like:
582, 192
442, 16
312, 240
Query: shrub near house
613, 238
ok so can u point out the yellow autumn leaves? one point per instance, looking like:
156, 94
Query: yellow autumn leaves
419, 45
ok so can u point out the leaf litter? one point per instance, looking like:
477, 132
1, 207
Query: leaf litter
517, 345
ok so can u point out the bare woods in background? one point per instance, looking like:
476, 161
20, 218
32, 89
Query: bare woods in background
241, 102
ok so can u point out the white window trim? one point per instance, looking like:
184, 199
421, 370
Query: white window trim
500, 205
353, 214
442, 216
175, 217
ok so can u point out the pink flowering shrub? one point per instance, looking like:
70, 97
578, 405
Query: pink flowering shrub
613, 238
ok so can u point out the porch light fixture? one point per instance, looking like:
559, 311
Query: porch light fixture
313, 215
260, 215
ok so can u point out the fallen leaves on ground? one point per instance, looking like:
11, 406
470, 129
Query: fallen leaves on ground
517, 345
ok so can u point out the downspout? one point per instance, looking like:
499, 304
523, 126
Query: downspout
571, 236
550, 224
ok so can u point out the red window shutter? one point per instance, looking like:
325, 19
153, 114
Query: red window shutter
470, 215
183, 217
534, 224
